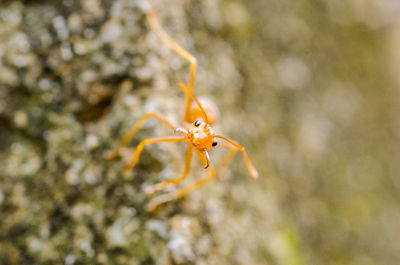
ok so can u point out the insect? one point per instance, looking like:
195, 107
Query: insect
196, 132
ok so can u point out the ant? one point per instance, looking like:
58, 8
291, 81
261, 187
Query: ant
197, 130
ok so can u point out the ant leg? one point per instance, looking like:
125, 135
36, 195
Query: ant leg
250, 167
155, 25
154, 203
166, 183
129, 135
227, 158
141, 145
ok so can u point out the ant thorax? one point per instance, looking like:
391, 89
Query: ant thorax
201, 136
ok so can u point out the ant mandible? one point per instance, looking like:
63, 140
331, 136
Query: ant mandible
197, 130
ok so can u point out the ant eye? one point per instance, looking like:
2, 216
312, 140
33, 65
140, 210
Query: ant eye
214, 143
197, 123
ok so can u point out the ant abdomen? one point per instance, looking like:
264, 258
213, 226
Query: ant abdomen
209, 107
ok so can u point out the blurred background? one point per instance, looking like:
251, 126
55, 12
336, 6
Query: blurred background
309, 87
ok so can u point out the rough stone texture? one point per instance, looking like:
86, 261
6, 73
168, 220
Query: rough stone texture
74, 76
309, 87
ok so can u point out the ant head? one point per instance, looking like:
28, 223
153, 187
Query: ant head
201, 135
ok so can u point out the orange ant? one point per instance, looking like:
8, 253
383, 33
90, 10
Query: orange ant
197, 130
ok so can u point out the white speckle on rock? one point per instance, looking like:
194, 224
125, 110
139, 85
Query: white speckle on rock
90, 177
61, 27
72, 174
20, 41
34, 245
70, 259
132, 211
80, 48
21, 60
115, 235
92, 141
44, 84
180, 247
72, 178
157, 226
177, 243
145, 6
74, 22
117, 8
66, 52
11, 16
8, 76
81, 210
31, 166
89, 33
130, 100
93, 7
88, 76
110, 31
87, 248
20, 119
